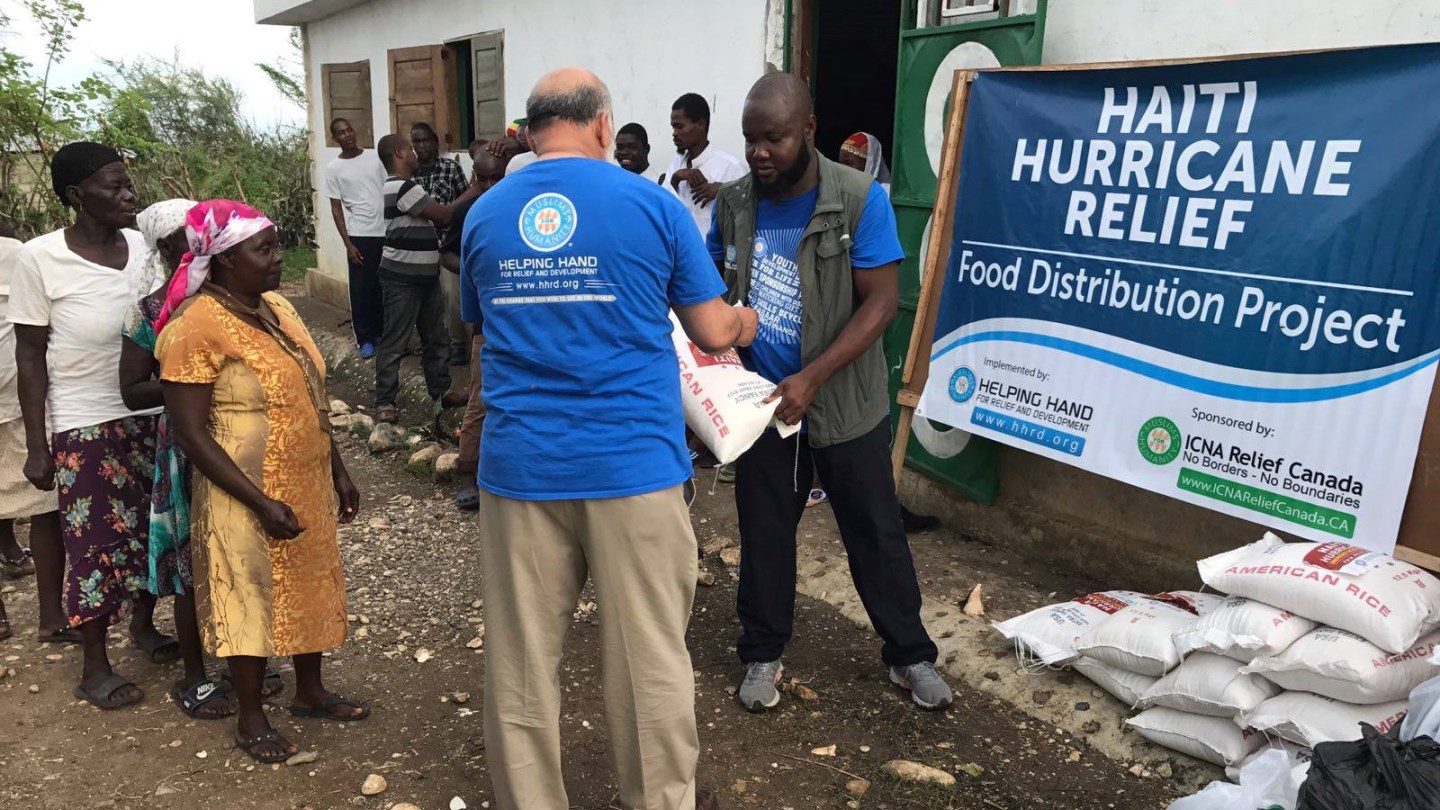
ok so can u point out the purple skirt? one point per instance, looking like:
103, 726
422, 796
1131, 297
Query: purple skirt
103, 476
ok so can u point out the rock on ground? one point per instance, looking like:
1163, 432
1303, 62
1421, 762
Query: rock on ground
423, 459
446, 467
374, 785
386, 437
905, 770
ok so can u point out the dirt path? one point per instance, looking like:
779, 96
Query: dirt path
412, 564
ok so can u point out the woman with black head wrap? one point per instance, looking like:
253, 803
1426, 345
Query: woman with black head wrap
68, 300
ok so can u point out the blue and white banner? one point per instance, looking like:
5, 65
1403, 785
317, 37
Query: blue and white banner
1216, 281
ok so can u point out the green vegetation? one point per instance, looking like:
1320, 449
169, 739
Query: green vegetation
183, 133
298, 259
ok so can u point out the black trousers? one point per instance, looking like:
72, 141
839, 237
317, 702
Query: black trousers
367, 303
772, 483
411, 304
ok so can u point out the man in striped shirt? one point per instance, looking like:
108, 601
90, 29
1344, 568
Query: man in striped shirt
410, 279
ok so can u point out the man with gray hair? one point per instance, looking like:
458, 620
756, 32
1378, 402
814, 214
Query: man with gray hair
574, 265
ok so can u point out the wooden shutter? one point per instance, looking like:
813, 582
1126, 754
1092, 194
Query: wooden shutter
346, 87
487, 70
422, 88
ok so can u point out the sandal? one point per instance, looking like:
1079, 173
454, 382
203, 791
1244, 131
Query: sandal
65, 635
249, 744
103, 696
160, 650
270, 687
817, 497
18, 569
327, 704
194, 699
388, 415
468, 498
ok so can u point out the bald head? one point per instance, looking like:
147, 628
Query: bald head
568, 112
778, 123
570, 95
783, 95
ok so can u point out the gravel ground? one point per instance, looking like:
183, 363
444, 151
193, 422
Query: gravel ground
412, 564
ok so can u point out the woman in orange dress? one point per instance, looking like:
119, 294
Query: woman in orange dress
245, 390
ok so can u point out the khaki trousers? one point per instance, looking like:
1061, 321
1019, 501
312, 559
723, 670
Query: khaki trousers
450, 283
474, 422
640, 553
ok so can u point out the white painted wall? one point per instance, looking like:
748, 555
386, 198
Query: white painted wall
1114, 30
649, 52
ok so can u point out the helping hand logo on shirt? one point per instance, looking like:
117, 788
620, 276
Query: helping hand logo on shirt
548, 221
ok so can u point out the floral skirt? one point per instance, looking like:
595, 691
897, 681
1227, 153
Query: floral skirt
103, 476
170, 572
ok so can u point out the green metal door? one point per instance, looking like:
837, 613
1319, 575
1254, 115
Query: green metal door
929, 57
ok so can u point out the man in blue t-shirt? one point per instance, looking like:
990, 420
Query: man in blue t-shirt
574, 265
811, 246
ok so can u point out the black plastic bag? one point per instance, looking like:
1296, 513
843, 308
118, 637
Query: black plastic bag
1376, 772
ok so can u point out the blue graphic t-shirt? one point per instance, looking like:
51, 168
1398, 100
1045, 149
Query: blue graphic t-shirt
775, 278
573, 265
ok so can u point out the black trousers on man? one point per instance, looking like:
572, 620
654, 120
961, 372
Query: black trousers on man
367, 305
772, 484
412, 303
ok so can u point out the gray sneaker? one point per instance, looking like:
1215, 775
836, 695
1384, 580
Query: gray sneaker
927, 688
759, 691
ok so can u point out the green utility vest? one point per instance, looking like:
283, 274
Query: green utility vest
857, 398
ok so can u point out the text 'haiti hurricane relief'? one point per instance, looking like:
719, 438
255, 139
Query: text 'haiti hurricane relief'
1135, 189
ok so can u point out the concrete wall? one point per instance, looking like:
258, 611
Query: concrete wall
648, 51
1123, 535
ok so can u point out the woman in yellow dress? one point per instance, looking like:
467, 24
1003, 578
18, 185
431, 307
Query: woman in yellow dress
245, 390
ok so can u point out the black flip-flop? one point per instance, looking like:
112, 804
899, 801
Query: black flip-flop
248, 745
199, 695
103, 696
18, 569
165, 651
65, 635
323, 711
270, 687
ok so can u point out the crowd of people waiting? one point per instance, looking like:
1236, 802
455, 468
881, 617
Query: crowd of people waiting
167, 408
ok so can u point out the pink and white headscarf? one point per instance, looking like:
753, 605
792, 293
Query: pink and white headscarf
211, 227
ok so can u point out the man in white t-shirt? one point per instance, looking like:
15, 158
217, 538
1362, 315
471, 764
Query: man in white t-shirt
355, 184
699, 169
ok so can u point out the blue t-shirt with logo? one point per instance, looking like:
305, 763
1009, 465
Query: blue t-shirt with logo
775, 278
574, 264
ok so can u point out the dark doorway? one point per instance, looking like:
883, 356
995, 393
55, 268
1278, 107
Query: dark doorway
856, 52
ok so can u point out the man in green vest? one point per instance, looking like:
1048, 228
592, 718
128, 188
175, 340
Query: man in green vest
811, 246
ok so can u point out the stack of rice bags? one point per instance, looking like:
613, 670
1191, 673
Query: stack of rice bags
1314, 639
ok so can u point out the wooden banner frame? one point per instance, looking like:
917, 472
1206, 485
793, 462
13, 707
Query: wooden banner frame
1421, 518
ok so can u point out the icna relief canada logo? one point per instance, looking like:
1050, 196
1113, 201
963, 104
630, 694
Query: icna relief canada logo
1159, 440
548, 221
